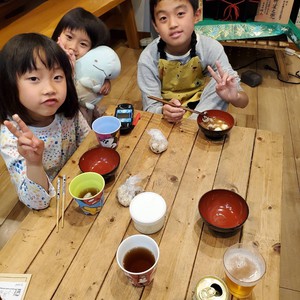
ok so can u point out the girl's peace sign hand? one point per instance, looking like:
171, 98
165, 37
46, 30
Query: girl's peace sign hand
226, 86
29, 146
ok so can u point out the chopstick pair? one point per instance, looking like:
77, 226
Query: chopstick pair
171, 104
64, 179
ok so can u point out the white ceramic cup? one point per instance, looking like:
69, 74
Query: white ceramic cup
145, 277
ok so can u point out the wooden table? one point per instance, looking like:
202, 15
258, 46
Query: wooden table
79, 261
44, 18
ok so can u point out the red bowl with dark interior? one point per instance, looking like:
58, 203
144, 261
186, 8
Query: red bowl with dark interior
223, 211
215, 124
101, 160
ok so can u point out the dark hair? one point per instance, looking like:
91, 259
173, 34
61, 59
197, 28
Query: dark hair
153, 3
162, 44
81, 19
19, 56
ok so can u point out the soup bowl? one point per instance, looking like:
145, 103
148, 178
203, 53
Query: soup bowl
101, 160
223, 211
215, 124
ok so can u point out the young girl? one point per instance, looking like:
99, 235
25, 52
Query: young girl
178, 65
44, 126
78, 32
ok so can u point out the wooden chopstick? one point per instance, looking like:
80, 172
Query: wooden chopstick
57, 203
167, 102
63, 201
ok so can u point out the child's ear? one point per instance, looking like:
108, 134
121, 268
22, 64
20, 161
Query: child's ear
197, 16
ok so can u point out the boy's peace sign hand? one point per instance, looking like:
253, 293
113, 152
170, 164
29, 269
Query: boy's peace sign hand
29, 146
226, 86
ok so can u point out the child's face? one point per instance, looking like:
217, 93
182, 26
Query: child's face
76, 40
174, 21
42, 92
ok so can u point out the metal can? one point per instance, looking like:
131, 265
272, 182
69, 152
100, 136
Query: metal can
211, 288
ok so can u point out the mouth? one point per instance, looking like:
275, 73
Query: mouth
99, 69
175, 34
50, 102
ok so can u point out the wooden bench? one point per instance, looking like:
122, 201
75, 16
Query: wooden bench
44, 18
276, 46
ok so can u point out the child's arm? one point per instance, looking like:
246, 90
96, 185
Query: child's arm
226, 87
31, 148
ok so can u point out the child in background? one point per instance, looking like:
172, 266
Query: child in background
178, 65
41, 125
77, 32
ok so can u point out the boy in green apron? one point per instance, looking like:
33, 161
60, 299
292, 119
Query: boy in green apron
183, 67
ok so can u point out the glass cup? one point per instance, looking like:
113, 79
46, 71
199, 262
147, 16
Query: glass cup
137, 257
107, 130
87, 190
244, 267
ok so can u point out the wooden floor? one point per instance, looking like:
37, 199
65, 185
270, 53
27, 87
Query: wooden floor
273, 106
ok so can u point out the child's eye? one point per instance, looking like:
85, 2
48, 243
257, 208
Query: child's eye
33, 78
58, 77
181, 14
85, 45
162, 19
69, 36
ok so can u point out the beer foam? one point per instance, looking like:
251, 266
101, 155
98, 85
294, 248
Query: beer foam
243, 265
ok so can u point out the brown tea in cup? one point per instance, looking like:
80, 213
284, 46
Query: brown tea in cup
138, 260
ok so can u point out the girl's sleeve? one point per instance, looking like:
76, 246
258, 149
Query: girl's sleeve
31, 194
82, 128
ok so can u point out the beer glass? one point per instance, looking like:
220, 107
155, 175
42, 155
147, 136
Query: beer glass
244, 267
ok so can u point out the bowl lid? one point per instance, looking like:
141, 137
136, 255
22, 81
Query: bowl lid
147, 207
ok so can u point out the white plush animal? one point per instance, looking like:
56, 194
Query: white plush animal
91, 70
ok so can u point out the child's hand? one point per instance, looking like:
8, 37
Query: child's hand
29, 146
69, 52
105, 89
226, 86
172, 113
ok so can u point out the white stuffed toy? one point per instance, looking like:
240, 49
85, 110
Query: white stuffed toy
91, 70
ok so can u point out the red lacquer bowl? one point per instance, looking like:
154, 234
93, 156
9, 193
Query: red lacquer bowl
101, 160
223, 211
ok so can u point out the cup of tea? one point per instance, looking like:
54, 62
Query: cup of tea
87, 190
137, 257
107, 130
244, 267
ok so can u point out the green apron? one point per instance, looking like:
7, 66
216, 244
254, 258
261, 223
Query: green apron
184, 82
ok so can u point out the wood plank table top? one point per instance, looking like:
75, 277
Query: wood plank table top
78, 261
44, 18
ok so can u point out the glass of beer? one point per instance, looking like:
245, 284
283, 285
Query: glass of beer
244, 267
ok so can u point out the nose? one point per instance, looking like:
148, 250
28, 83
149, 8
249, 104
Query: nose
172, 21
73, 46
48, 88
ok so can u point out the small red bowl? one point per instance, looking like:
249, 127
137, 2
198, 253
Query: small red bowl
223, 211
218, 115
101, 160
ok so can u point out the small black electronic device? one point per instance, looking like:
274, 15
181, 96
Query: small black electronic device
124, 112
251, 78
